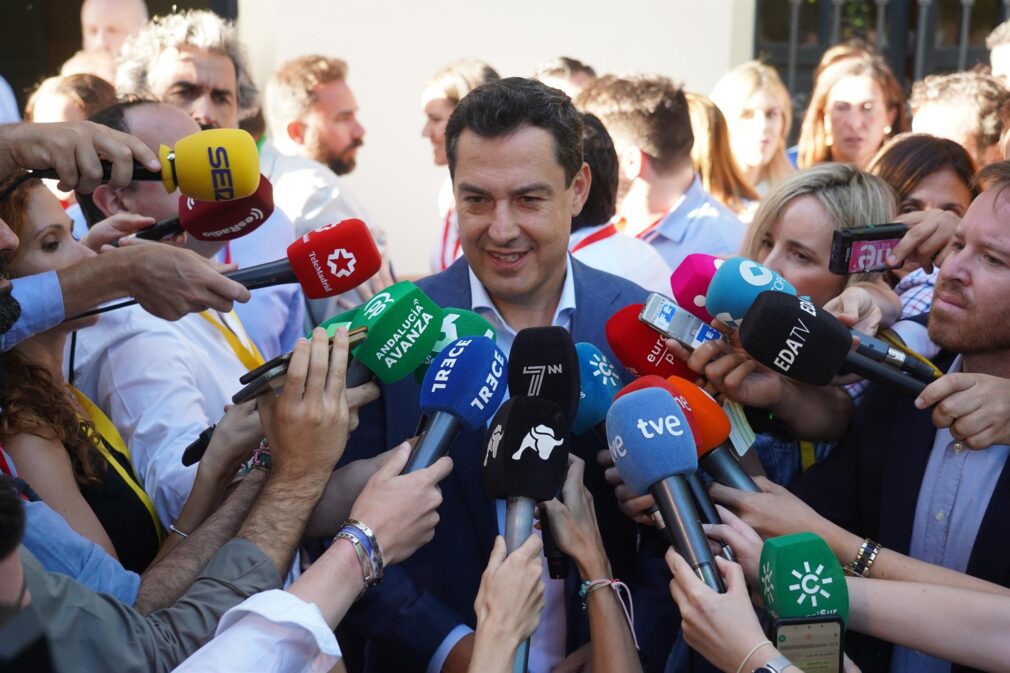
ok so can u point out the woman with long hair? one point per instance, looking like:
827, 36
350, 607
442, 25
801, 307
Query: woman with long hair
713, 159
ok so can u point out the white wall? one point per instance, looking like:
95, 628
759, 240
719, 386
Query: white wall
392, 47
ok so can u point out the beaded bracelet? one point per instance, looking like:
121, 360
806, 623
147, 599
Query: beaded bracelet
860, 566
261, 457
589, 586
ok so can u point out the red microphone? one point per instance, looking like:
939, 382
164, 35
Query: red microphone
327, 261
640, 348
690, 282
216, 220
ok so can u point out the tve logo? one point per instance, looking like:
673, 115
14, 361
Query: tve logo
541, 439
669, 425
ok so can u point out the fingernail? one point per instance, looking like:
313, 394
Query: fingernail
919, 403
154, 164
892, 260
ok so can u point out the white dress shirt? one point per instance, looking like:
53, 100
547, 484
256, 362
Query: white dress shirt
161, 383
270, 632
624, 256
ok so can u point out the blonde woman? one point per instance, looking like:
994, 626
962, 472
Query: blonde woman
759, 114
713, 159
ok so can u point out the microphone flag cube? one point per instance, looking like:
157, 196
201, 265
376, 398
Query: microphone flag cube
334, 258
690, 281
735, 286
226, 220
403, 324
456, 323
800, 577
641, 349
650, 439
543, 362
526, 450
212, 165
467, 381
598, 383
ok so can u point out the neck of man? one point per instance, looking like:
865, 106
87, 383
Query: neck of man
994, 363
534, 311
651, 197
46, 350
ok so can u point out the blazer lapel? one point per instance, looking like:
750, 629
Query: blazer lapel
909, 441
990, 556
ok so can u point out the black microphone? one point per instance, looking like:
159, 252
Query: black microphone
884, 353
525, 463
795, 338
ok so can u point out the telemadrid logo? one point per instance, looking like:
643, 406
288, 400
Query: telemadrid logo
341, 263
374, 308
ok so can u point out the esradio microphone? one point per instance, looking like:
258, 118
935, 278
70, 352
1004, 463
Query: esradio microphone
403, 324
216, 220
544, 362
653, 450
807, 598
463, 388
599, 381
736, 284
525, 461
456, 324
690, 281
795, 338
639, 347
211, 165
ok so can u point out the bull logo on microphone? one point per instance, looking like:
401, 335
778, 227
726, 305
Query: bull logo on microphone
542, 440
492, 444
341, 263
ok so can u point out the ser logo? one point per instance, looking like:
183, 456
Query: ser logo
341, 263
374, 308
542, 440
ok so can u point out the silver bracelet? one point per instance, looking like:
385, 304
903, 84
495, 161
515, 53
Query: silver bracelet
376, 550
367, 579
173, 529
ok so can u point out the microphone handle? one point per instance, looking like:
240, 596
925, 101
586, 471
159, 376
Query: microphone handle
139, 173
723, 467
357, 374
885, 353
439, 433
160, 230
194, 452
518, 527
706, 509
264, 275
882, 374
683, 528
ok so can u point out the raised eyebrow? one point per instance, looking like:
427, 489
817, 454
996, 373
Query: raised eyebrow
55, 225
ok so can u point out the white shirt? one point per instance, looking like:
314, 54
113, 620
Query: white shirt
447, 247
623, 256
9, 111
312, 195
270, 632
162, 384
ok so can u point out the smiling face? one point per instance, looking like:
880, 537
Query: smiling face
755, 134
515, 212
200, 82
436, 113
798, 246
971, 312
855, 116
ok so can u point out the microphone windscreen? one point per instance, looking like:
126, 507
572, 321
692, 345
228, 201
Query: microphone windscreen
641, 349
526, 451
543, 362
456, 323
735, 286
793, 337
334, 258
711, 424
403, 324
598, 383
340, 320
658, 382
801, 577
466, 380
649, 439
225, 220
689, 283
212, 165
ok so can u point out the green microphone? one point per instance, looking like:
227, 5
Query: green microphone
340, 320
805, 593
403, 325
456, 324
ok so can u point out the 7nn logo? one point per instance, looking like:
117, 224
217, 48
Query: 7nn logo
810, 584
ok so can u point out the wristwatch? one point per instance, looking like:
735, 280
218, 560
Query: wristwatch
776, 665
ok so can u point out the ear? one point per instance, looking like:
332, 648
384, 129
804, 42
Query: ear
296, 132
108, 201
581, 183
631, 162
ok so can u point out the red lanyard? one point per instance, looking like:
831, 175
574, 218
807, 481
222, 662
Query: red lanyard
605, 232
445, 241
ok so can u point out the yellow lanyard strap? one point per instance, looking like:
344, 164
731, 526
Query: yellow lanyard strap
248, 355
109, 437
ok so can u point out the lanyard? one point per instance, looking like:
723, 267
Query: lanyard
622, 223
249, 355
604, 233
446, 263
110, 439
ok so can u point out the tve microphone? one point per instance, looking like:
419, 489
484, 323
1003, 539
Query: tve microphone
639, 347
211, 165
735, 285
326, 262
544, 362
525, 463
715, 452
217, 220
653, 450
805, 593
403, 324
456, 323
793, 337
690, 281
598, 383
463, 388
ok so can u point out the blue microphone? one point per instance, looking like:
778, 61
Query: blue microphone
735, 286
598, 385
463, 388
654, 450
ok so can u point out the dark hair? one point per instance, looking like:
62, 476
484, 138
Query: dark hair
114, 117
909, 158
598, 150
12, 517
500, 108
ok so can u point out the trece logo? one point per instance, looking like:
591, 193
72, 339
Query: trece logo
810, 584
604, 370
492, 444
374, 308
341, 263
542, 440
